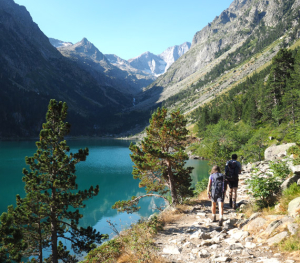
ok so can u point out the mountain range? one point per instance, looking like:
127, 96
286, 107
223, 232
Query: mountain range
147, 65
107, 94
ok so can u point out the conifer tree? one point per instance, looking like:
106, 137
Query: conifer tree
50, 209
159, 160
11, 238
282, 66
291, 98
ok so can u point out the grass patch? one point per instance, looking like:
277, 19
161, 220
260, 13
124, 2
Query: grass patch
133, 245
288, 195
291, 244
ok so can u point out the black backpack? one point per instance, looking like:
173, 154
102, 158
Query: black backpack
232, 171
217, 185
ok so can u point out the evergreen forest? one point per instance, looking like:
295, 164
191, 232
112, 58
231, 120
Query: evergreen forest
260, 111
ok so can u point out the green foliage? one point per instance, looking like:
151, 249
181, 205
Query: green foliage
295, 150
50, 208
223, 139
159, 160
11, 238
265, 188
289, 194
106, 253
292, 192
200, 186
135, 242
280, 169
255, 147
243, 119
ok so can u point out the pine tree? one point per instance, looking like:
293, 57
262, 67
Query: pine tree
291, 97
282, 66
50, 209
11, 238
159, 160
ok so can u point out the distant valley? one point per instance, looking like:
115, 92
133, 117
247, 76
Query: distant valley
110, 96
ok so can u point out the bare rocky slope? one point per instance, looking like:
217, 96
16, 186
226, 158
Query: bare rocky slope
238, 34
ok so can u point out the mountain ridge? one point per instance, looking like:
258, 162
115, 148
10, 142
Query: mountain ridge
246, 30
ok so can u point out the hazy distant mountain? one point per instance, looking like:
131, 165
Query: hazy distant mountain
149, 63
159, 64
33, 72
88, 57
58, 43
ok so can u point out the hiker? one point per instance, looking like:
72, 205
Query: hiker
216, 189
232, 170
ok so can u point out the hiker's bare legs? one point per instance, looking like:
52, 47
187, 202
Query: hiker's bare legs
213, 210
233, 194
213, 207
221, 210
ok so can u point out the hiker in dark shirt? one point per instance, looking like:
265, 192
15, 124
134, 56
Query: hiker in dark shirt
232, 170
216, 189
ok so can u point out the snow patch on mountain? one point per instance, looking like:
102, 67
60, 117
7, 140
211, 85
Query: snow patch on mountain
58, 43
159, 64
171, 54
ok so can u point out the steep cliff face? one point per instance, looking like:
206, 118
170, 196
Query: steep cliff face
225, 33
32, 71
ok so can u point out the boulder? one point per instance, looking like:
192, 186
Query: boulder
287, 183
174, 250
238, 234
277, 238
293, 228
294, 207
272, 226
250, 245
295, 169
273, 152
255, 224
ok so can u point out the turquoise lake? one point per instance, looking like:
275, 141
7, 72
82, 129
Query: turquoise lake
108, 165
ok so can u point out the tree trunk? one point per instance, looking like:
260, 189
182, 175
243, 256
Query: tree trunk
53, 231
172, 185
40, 243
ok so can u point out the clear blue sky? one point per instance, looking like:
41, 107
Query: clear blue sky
126, 28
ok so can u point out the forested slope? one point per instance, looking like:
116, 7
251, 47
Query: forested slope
262, 110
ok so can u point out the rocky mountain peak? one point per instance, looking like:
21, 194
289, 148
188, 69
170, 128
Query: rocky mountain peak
87, 48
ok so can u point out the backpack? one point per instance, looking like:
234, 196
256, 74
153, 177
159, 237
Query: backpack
217, 185
232, 171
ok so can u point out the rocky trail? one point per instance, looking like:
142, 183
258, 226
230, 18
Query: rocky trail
195, 238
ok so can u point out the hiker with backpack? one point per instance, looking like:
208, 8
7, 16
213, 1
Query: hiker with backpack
232, 170
216, 192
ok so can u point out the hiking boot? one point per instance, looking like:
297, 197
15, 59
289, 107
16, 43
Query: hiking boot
214, 218
230, 202
234, 205
220, 221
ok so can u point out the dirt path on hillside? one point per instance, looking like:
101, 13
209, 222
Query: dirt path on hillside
195, 238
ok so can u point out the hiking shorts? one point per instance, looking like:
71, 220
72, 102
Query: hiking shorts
233, 184
217, 199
